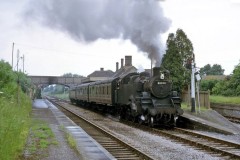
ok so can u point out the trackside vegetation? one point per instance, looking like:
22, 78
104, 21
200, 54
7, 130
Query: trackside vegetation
225, 100
15, 108
226, 87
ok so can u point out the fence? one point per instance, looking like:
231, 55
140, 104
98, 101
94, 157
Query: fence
203, 97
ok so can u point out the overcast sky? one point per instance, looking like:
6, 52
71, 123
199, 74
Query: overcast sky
211, 25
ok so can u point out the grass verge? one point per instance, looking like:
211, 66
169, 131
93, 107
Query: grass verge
71, 141
185, 107
225, 100
14, 125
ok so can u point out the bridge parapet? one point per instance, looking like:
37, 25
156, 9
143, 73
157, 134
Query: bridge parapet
48, 80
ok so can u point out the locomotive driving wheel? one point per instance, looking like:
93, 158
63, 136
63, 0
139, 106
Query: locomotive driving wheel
150, 121
128, 114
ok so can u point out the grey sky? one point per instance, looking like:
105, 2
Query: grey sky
211, 25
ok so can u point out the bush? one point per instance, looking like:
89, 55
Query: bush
228, 92
6, 74
238, 91
219, 87
206, 85
230, 86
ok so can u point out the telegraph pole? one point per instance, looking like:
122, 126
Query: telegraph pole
18, 88
193, 85
23, 63
12, 54
17, 58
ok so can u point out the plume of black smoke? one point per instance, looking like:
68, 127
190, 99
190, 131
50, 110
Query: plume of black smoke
140, 21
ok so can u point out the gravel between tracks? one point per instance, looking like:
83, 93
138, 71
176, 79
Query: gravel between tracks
157, 146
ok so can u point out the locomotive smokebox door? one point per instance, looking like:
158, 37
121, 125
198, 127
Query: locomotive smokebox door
162, 75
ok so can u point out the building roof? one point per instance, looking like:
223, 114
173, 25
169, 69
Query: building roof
148, 71
124, 70
101, 73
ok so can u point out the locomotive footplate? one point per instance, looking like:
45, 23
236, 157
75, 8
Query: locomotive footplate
162, 110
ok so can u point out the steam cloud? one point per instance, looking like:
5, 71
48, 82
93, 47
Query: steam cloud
140, 21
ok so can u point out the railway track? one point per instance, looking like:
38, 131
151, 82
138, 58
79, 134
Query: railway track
214, 146
233, 119
119, 149
230, 108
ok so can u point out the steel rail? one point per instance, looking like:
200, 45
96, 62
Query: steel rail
198, 140
233, 119
135, 151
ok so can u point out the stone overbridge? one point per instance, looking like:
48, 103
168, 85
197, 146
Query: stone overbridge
48, 80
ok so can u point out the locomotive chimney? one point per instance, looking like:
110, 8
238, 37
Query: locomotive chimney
121, 62
128, 60
116, 66
101, 69
156, 71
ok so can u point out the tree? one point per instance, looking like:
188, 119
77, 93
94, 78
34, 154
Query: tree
206, 69
234, 81
179, 51
216, 69
184, 46
71, 75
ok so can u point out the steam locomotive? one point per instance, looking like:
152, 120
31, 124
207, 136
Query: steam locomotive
134, 96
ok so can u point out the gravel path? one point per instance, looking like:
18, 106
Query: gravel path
62, 150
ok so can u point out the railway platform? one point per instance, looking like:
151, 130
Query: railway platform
87, 147
210, 120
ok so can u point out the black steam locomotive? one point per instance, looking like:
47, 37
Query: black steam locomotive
135, 96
